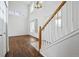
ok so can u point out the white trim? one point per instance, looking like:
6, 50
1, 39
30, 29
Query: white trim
73, 33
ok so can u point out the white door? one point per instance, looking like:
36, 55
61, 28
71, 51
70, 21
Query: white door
2, 28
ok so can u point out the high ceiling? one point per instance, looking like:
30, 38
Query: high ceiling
20, 2
18, 7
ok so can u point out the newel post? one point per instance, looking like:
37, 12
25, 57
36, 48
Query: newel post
40, 38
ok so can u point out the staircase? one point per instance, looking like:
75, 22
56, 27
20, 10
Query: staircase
59, 30
44, 43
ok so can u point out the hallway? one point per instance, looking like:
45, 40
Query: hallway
39, 29
20, 46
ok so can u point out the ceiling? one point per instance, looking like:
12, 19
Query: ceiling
20, 2
18, 7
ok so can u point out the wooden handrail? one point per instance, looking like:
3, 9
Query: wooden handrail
40, 38
50, 18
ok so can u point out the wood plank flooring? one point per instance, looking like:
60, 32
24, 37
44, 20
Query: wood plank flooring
20, 46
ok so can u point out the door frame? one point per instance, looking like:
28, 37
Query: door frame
7, 39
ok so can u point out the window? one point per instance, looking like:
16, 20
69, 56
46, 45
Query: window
58, 19
34, 26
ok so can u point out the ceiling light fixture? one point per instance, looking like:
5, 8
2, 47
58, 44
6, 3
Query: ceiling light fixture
38, 4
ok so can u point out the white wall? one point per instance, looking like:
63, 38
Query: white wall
18, 25
67, 48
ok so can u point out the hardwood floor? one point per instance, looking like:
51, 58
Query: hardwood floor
20, 46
